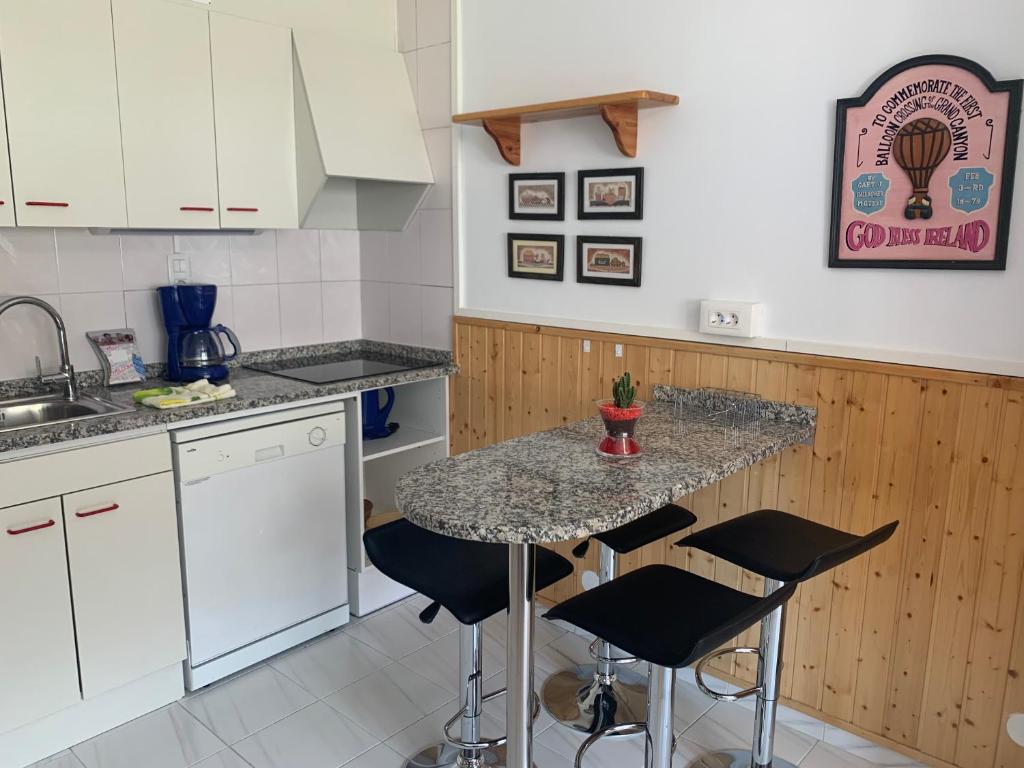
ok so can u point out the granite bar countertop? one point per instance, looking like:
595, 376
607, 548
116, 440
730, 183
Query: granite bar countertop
552, 486
255, 390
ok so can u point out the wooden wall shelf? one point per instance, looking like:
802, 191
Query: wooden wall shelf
619, 111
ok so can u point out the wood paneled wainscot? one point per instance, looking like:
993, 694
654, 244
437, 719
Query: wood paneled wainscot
918, 646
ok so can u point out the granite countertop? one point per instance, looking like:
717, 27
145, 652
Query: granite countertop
552, 486
255, 390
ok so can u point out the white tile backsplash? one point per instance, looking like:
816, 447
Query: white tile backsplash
144, 260
339, 255
439, 150
298, 256
28, 262
406, 314
142, 312
90, 312
373, 256
403, 262
376, 305
437, 317
436, 247
257, 321
302, 314
209, 256
343, 313
253, 258
26, 332
87, 262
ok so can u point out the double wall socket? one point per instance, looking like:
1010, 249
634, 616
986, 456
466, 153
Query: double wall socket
732, 318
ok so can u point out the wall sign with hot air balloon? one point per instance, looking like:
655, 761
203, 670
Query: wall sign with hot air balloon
924, 164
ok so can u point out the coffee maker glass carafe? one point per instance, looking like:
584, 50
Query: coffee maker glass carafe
201, 348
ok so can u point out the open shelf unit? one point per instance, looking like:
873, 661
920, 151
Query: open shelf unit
619, 111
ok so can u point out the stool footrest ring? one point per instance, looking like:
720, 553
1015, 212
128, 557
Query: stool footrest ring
596, 656
621, 729
489, 743
718, 695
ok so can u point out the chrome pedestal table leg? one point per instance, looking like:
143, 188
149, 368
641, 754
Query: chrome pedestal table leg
522, 559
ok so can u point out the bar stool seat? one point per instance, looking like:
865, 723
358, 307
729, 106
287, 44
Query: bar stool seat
781, 546
650, 628
470, 579
592, 697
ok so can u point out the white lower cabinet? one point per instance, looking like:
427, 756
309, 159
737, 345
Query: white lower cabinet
37, 643
126, 580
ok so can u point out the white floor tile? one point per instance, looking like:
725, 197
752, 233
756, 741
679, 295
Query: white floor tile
225, 759
616, 752
65, 759
791, 718
439, 661
430, 730
826, 756
866, 750
167, 738
389, 700
330, 664
397, 631
727, 725
381, 756
314, 737
247, 703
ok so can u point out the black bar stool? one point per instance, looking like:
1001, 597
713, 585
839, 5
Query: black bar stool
592, 697
786, 550
470, 579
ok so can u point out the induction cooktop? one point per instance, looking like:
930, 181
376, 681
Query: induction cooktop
328, 371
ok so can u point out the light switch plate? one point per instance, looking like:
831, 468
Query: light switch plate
732, 318
179, 268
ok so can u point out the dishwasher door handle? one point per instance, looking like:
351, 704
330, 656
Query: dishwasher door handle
273, 452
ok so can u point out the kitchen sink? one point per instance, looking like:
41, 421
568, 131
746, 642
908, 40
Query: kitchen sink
51, 409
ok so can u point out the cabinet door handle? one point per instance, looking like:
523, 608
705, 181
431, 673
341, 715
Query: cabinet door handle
243, 210
99, 511
46, 203
201, 208
30, 528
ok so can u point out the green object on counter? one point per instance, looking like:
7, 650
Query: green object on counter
142, 394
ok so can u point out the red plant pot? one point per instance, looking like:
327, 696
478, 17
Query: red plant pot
620, 426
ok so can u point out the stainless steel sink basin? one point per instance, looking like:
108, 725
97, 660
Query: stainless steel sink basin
49, 409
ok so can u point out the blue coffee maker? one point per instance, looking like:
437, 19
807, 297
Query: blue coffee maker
194, 349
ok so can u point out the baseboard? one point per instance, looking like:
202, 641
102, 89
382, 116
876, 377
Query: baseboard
31, 743
370, 590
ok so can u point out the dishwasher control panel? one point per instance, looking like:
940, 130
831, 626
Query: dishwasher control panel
198, 459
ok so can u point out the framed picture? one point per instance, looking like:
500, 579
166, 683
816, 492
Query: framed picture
608, 260
537, 196
923, 168
537, 257
612, 193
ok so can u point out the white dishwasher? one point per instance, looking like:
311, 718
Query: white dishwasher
261, 507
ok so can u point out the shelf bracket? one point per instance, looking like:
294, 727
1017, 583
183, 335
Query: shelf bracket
622, 119
506, 134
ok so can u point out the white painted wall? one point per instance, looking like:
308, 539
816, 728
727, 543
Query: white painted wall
738, 176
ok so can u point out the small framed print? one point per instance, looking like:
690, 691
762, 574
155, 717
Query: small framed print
536, 196
537, 257
612, 193
608, 260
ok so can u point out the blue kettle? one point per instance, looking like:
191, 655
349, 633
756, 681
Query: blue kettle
375, 414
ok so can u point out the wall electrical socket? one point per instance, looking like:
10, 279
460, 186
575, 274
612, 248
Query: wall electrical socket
732, 318
618, 350
179, 268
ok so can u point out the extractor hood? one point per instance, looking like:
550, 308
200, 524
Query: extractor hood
361, 159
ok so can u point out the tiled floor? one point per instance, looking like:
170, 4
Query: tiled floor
379, 690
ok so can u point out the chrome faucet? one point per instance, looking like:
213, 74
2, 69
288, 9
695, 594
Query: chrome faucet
66, 374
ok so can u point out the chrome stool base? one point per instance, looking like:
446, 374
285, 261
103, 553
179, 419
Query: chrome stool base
579, 699
447, 756
736, 758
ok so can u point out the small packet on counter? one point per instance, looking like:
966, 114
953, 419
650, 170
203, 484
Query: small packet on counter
118, 356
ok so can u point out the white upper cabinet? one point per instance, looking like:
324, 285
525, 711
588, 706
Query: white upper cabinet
254, 108
62, 113
167, 125
37, 645
6, 187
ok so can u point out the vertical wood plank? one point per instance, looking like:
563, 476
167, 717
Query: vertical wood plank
897, 458
1008, 753
927, 517
460, 390
1000, 582
479, 361
590, 380
866, 412
513, 390
956, 593
495, 384
549, 375
569, 380
533, 416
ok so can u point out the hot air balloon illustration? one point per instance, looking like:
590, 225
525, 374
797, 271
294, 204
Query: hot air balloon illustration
919, 147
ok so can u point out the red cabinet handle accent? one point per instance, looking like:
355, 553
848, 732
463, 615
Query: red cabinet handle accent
3, 202
111, 508
46, 204
194, 208
29, 529
243, 210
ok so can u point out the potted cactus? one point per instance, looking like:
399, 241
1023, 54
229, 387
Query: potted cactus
620, 414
